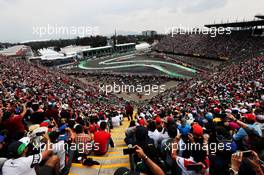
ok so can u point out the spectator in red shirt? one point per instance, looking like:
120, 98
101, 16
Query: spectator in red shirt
14, 124
52, 112
102, 139
93, 127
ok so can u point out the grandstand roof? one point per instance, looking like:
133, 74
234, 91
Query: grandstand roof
49, 54
238, 24
260, 16
125, 44
97, 48
73, 50
14, 50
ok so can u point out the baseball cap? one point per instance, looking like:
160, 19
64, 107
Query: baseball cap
209, 116
158, 120
205, 121
197, 130
25, 140
216, 120
16, 148
184, 130
37, 131
233, 125
243, 111
142, 115
44, 124
33, 127
250, 117
260, 117
217, 110
228, 111
169, 119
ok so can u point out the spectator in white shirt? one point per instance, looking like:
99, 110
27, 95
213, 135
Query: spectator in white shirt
21, 164
154, 133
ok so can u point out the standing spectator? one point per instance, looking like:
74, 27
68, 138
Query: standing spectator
129, 111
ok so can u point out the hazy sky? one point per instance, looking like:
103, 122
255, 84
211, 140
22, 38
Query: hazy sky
20, 19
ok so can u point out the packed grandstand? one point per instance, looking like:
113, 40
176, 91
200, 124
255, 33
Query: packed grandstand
211, 123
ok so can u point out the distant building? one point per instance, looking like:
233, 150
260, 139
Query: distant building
71, 54
108, 50
18, 51
74, 50
50, 54
149, 33
49, 57
126, 47
97, 51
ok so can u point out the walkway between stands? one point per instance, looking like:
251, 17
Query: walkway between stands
109, 162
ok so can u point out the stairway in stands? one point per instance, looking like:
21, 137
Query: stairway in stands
109, 162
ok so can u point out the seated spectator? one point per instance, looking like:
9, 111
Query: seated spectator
154, 168
167, 143
93, 127
58, 148
20, 163
153, 133
130, 133
83, 141
148, 146
102, 139
220, 157
198, 157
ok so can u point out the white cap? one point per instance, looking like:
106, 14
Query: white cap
243, 111
25, 140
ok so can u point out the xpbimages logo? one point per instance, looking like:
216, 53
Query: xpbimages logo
50, 30
185, 30
146, 89
211, 147
80, 147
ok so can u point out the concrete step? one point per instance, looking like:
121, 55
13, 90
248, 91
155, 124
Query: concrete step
113, 159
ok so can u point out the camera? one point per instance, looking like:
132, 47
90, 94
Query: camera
129, 151
194, 167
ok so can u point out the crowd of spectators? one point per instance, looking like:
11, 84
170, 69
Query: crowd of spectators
35, 101
239, 44
125, 80
211, 126
121, 78
214, 126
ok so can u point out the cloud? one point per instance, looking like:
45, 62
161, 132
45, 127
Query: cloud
204, 5
18, 17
